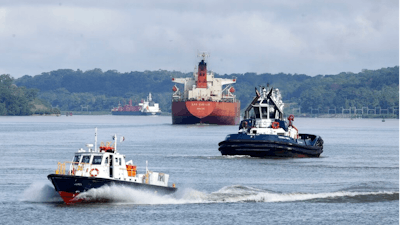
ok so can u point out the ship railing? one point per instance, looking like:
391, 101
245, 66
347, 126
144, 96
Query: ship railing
74, 167
177, 99
223, 99
228, 99
60, 168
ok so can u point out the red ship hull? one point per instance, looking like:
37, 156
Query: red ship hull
208, 112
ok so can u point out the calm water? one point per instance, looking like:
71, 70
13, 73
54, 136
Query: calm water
355, 181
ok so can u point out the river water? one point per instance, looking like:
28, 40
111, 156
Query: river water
355, 181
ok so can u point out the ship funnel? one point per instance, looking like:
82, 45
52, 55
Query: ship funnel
202, 73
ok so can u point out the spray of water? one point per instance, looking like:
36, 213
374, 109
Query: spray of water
40, 192
121, 194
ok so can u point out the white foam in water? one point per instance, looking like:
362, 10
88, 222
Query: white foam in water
40, 192
236, 156
230, 194
123, 194
120, 194
44, 192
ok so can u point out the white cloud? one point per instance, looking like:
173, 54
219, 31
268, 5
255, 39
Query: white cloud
308, 36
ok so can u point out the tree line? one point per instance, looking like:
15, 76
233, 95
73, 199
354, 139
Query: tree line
70, 90
21, 101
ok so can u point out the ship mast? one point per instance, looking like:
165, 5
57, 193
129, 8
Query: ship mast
95, 139
114, 137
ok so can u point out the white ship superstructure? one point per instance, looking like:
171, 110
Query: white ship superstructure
148, 107
204, 86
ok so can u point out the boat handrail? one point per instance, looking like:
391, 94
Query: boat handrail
61, 167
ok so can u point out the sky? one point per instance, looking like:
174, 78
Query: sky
309, 37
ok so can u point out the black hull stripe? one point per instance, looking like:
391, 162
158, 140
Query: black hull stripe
78, 184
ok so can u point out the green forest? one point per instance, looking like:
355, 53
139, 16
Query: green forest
70, 90
20, 100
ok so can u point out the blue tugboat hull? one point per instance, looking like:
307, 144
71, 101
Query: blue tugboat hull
272, 145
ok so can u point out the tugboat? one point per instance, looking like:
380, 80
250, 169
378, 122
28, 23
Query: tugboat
264, 132
94, 168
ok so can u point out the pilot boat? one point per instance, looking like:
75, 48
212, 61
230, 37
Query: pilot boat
264, 132
94, 168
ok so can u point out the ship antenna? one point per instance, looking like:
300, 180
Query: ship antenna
95, 139
204, 55
115, 142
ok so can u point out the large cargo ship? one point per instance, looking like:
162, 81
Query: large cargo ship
145, 107
205, 100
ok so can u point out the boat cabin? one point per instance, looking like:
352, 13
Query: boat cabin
265, 115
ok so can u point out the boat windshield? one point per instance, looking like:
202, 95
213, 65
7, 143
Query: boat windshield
97, 159
77, 158
86, 159
256, 112
264, 111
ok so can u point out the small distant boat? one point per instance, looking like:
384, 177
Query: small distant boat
94, 168
265, 133
145, 107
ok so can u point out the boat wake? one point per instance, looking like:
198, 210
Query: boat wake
229, 194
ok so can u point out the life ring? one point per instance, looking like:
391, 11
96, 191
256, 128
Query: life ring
275, 125
94, 175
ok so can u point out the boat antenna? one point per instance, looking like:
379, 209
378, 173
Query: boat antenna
204, 55
115, 142
95, 139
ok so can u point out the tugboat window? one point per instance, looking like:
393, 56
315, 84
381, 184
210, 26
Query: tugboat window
264, 111
272, 115
86, 159
77, 158
257, 112
97, 159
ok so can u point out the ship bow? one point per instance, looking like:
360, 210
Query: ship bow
200, 109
